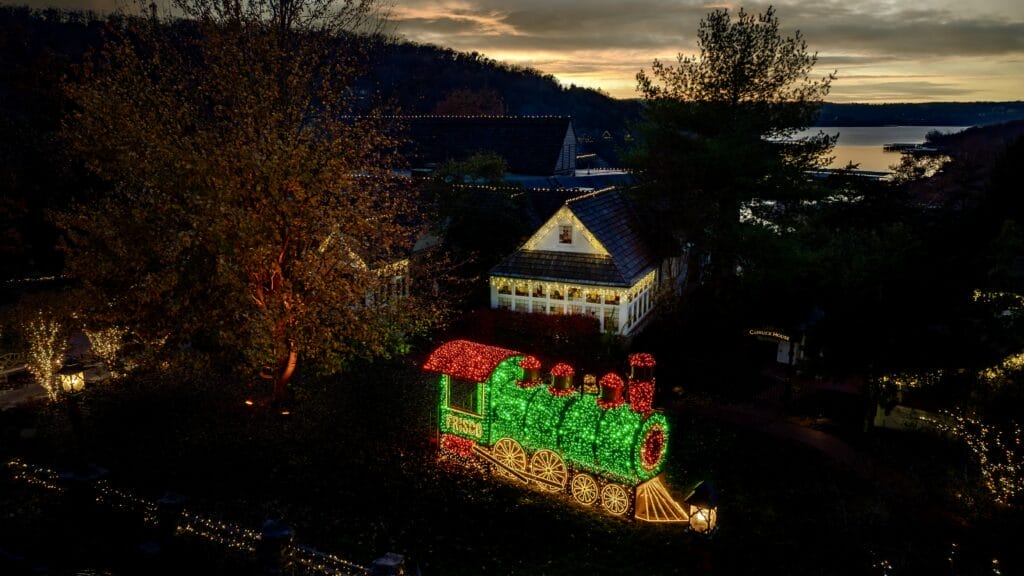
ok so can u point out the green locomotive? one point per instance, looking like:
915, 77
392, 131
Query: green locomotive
593, 444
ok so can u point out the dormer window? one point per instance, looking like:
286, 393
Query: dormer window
565, 234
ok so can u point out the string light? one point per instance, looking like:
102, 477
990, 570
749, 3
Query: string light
106, 343
613, 442
561, 379
641, 395
611, 391
457, 445
641, 381
999, 452
466, 360
226, 534
46, 346
531, 371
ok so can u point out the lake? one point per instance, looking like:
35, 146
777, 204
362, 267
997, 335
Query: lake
863, 144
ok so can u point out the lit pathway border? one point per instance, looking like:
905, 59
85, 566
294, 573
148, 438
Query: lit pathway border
226, 534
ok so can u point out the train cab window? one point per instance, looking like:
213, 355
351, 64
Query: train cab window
462, 395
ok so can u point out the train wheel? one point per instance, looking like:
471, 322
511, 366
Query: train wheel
615, 499
549, 466
510, 454
584, 489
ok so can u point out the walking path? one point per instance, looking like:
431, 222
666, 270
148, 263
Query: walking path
768, 417
28, 393
770, 420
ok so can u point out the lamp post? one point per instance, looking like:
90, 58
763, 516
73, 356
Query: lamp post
72, 382
703, 509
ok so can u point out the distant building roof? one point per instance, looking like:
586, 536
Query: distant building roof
532, 145
596, 179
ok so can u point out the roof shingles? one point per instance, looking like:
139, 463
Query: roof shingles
612, 221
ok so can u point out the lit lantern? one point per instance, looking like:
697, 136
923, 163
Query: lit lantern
703, 509
72, 379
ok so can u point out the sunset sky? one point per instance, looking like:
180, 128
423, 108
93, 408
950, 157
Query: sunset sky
882, 50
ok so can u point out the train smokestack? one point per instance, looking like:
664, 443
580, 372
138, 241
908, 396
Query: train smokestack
561, 378
641, 382
611, 390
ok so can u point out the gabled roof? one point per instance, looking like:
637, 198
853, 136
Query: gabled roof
611, 220
561, 266
467, 360
529, 144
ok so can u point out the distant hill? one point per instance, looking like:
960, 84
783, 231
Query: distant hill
416, 77
926, 114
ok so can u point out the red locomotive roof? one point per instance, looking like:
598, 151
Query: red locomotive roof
466, 360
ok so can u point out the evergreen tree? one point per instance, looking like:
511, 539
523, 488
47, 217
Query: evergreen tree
719, 130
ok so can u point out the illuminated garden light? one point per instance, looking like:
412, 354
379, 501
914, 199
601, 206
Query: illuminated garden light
703, 509
72, 379
607, 455
46, 345
999, 452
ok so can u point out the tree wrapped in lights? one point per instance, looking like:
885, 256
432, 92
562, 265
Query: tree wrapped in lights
998, 450
251, 202
106, 344
47, 338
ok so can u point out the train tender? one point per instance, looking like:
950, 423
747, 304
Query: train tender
593, 443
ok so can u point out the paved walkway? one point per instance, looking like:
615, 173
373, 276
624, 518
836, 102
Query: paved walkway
770, 420
769, 417
27, 393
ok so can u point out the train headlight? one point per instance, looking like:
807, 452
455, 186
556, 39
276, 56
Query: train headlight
703, 509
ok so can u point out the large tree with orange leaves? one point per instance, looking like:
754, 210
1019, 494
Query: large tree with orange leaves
250, 208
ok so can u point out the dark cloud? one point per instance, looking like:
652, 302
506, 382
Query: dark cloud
894, 91
615, 38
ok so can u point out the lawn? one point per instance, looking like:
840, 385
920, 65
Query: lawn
354, 471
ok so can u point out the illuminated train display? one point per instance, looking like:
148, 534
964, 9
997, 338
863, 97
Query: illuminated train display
604, 445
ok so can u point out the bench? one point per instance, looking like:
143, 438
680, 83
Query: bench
11, 363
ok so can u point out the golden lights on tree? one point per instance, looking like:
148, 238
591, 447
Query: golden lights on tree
998, 450
47, 343
106, 344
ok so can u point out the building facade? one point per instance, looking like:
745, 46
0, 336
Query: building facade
589, 258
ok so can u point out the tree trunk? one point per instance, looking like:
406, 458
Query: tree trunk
286, 369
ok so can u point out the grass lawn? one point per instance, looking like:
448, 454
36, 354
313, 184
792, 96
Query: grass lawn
354, 471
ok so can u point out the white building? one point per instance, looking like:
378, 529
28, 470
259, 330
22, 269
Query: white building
591, 258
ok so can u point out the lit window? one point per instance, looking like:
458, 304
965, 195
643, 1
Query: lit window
565, 234
557, 294
462, 395
538, 291
575, 293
